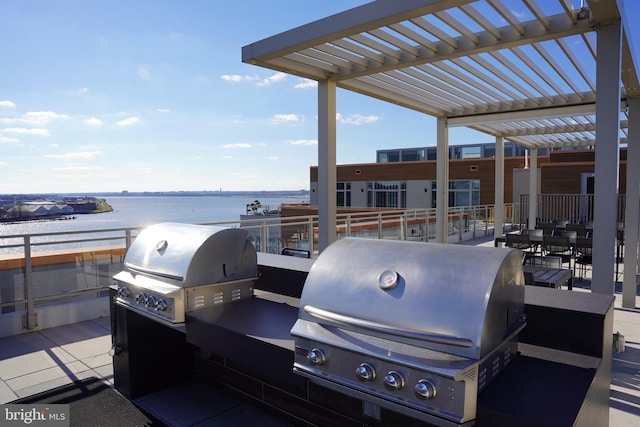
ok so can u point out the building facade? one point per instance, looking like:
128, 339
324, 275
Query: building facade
409, 184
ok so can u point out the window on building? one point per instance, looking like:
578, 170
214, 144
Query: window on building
343, 196
387, 194
413, 155
432, 153
462, 192
388, 156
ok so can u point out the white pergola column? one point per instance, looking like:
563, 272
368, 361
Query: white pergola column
326, 164
606, 157
632, 210
442, 184
533, 188
498, 214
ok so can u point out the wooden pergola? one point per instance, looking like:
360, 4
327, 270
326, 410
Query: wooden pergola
537, 73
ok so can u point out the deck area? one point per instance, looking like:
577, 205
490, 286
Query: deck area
38, 361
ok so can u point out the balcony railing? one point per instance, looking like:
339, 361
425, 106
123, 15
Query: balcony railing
47, 271
575, 208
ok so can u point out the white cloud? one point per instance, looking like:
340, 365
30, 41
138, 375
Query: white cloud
128, 121
42, 117
286, 118
237, 78
76, 155
273, 158
7, 104
304, 142
357, 119
305, 84
36, 118
163, 110
83, 90
7, 139
28, 131
277, 77
92, 121
78, 168
237, 145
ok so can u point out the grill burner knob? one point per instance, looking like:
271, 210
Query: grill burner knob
123, 292
316, 357
141, 298
161, 305
425, 389
150, 302
366, 372
394, 381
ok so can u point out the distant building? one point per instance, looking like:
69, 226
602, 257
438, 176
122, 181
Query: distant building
465, 151
408, 184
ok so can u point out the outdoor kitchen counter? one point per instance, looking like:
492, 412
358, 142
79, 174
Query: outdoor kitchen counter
561, 378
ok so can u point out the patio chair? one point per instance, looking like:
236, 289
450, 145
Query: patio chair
584, 255
571, 234
559, 246
522, 242
535, 236
546, 261
548, 228
580, 229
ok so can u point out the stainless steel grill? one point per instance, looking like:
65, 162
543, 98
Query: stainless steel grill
418, 328
174, 268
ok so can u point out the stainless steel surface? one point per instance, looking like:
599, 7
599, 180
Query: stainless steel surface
419, 328
174, 268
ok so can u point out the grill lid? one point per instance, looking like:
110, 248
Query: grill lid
188, 255
463, 300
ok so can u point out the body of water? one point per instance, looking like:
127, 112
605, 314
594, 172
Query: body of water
141, 211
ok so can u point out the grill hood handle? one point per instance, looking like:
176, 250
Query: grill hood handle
385, 329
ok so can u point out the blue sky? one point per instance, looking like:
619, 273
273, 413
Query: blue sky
151, 95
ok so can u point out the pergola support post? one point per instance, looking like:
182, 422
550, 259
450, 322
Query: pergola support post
327, 198
632, 208
498, 214
442, 185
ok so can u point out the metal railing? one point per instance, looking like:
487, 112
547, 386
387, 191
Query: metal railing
574, 208
43, 269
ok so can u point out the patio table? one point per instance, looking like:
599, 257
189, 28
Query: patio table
550, 277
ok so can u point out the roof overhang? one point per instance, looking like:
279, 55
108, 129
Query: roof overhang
524, 70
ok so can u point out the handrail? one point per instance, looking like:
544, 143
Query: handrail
269, 234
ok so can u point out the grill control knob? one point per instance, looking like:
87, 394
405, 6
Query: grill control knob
161, 305
150, 301
425, 389
316, 357
141, 298
366, 372
394, 381
123, 292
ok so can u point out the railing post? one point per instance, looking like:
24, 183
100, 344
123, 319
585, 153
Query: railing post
379, 226
311, 236
127, 239
263, 237
486, 220
347, 226
30, 320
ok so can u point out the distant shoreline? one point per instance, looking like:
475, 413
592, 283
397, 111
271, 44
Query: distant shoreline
254, 194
